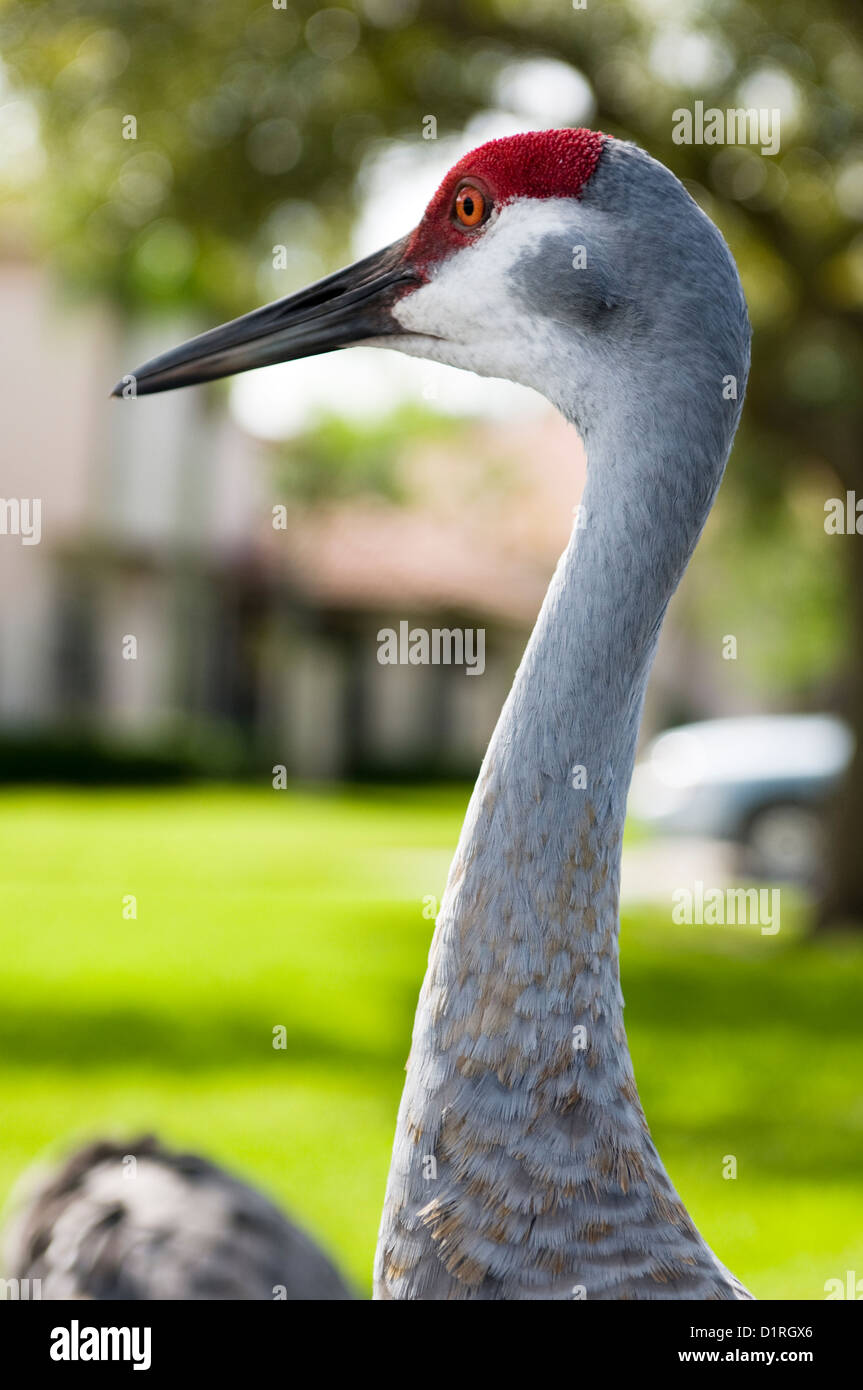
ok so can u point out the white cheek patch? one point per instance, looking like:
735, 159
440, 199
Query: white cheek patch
467, 314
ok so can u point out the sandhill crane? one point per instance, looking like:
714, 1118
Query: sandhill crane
523, 1165
138, 1221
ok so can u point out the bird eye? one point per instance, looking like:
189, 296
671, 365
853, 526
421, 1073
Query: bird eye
471, 206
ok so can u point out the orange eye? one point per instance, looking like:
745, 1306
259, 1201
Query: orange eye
470, 206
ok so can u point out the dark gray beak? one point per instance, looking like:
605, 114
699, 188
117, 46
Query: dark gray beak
348, 307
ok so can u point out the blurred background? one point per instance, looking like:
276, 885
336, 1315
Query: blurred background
164, 906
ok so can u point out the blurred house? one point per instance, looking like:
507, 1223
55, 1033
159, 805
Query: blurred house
157, 524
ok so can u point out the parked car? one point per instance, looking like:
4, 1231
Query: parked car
760, 781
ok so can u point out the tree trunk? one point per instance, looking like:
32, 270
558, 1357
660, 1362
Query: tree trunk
841, 905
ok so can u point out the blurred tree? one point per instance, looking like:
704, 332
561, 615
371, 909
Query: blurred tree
335, 459
252, 119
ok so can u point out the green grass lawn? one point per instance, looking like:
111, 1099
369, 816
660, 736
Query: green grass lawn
257, 909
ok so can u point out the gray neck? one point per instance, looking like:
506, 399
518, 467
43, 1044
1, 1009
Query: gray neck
536, 875
520, 1119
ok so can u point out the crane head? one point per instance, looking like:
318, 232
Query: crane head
366, 302
539, 256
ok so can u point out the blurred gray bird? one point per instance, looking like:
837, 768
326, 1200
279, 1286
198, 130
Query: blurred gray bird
572, 263
140, 1222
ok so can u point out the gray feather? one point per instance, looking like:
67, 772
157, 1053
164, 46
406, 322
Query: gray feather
170, 1226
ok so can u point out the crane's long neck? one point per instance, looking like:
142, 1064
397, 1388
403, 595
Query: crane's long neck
520, 1124
526, 946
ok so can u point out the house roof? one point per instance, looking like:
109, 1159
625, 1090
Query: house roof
482, 530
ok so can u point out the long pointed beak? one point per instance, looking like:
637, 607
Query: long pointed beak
351, 306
